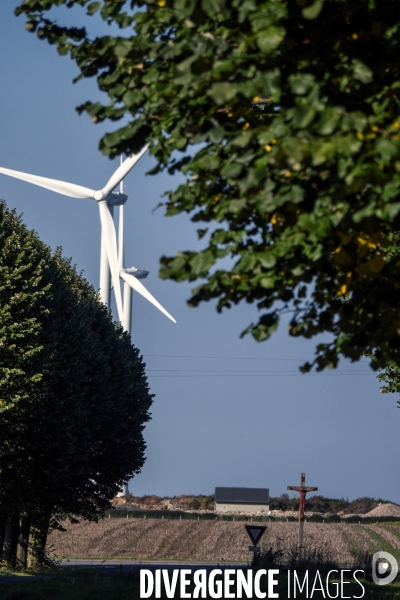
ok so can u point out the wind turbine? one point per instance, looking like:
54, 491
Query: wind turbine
111, 256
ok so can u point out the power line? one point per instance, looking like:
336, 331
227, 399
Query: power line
226, 371
260, 375
206, 373
232, 357
219, 357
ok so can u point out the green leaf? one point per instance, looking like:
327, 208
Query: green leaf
391, 190
302, 116
93, 7
267, 325
301, 83
270, 38
328, 121
267, 84
243, 139
202, 261
362, 72
223, 92
268, 283
231, 170
387, 149
267, 260
312, 12
132, 97
216, 135
246, 263
123, 47
213, 7
323, 153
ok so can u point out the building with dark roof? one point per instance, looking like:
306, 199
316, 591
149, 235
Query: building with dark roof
238, 499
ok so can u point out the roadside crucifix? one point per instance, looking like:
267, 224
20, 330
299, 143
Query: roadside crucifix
302, 489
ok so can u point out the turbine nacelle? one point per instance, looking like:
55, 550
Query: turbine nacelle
138, 273
116, 199
113, 199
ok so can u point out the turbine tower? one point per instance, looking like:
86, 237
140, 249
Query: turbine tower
112, 269
126, 320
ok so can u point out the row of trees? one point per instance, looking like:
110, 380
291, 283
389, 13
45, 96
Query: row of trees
73, 395
314, 503
284, 118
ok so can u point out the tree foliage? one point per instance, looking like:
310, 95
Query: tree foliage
284, 119
73, 392
390, 377
314, 503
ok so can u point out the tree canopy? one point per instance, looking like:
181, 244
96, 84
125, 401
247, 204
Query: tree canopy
73, 392
284, 118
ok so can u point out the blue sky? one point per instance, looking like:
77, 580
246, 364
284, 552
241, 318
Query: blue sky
227, 412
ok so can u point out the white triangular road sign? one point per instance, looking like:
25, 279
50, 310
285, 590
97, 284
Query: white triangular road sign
255, 532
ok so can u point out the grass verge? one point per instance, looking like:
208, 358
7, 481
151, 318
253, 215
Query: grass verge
384, 544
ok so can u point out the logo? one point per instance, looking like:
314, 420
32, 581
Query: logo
384, 568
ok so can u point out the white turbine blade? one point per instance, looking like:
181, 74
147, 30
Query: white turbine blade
110, 240
123, 170
61, 187
139, 287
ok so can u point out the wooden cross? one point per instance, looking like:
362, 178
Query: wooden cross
302, 489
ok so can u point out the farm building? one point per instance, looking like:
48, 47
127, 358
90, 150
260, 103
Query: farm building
238, 499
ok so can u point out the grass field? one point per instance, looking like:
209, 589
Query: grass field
69, 584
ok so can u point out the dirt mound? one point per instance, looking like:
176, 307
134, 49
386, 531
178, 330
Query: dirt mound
361, 506
384, 510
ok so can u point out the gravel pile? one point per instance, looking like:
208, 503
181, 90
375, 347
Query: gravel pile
384, 510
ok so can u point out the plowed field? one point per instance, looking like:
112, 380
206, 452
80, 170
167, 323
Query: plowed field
214, 540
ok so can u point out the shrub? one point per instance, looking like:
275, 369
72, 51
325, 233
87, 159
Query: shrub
206, 502
150, 500
186, 501
362, 559
312, 557
267, 559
